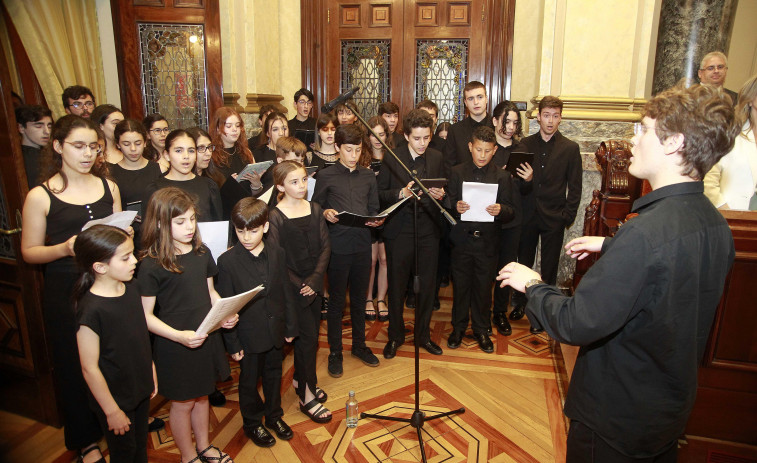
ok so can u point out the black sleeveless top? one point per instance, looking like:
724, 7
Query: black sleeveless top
65, 220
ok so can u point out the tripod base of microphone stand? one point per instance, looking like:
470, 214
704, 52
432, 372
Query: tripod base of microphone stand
417, 420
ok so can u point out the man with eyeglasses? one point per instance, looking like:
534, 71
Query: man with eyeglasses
642, 313
78, 100
303, 103
713, 70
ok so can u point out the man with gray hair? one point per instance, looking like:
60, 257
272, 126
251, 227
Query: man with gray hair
713, 70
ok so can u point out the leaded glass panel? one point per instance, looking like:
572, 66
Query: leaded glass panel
366, 63
441, 74
172, 59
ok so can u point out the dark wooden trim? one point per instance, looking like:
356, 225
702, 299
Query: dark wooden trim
498, 43
32, 91
313, 24
214, 68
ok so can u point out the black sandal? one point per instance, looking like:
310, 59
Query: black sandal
383, 315
221, 458
320, 395
370, 314
319, 410
80, 458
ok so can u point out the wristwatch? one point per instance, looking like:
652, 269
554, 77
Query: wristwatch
532, 282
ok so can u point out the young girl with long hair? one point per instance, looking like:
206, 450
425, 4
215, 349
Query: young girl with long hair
114, 344
205, 149
276, 126
107, 117
181, 153
177, 274
157, 130
324, 154
73, 192
298, 226
376, 152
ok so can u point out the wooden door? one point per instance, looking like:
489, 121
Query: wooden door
26, 387
469, 39
186, 90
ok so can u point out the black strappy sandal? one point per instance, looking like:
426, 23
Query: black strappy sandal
80, 458
221, 458
319, 410
320, 395
383, 315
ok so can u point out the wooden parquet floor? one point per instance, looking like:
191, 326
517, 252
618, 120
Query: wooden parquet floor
512, 399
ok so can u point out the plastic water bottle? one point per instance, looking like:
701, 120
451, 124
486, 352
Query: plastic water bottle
352, 411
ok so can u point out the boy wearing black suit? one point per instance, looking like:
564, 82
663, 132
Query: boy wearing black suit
474, 255
264, 323
394, 183
548, 211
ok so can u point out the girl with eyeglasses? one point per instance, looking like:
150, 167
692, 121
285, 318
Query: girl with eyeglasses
157, 130
74, 191
107, 117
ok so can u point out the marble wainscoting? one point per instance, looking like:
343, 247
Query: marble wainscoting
588, 134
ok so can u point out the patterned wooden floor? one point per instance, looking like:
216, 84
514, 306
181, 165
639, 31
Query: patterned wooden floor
512, 401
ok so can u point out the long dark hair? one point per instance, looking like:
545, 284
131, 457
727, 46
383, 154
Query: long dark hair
150, 152
130, 125
96, 244
501, 111
52, 161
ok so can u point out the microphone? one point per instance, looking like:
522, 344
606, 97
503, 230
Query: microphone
328, 107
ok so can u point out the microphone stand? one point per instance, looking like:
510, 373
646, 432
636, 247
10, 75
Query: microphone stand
418, 418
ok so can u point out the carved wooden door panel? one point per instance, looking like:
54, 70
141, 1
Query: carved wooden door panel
407, 50
169, 59
26, 387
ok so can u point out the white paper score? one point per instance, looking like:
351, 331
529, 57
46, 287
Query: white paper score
479, 196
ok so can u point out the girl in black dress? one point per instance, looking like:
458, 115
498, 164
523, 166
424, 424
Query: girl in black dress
324, 154
276, 126
74, 191
375, 152
107, 117
157, 130
114, 345
181, 153
177, 273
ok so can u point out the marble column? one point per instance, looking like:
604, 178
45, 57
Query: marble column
689, 29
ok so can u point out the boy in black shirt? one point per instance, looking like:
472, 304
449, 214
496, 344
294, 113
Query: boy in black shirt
264, 323
303, 103
348, 186
474, 255
34, 125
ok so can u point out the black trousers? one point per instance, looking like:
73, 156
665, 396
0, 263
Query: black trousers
400, 253
265, 365
306, 348
585, 446
80, 425
508, 252
551, 249
130, 447
473, 266
353, 270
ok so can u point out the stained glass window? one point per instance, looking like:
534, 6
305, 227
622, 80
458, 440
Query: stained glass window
172, 59
366, 63
441, 74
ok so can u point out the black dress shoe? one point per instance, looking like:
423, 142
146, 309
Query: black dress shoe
445, 281
536, 330
484, 342
259, 436
390, 350
489, 331
155, 425
432, 347
410, 301
454, 339
518, 312
282, 430
503, 326
217, 399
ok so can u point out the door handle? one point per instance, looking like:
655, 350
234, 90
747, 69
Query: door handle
14, 230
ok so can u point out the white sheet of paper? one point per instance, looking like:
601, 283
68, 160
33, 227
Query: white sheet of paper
225, 308
215, 235
311, 188
266, 196
479, 196
121, 220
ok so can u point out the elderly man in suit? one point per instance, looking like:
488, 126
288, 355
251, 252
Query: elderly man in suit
548, 210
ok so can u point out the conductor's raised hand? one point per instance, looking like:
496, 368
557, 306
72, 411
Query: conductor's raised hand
516, 276
525, 171
231, 322
581, 247
330, 215
191, 339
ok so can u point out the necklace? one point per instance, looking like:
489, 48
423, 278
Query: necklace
232, 152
